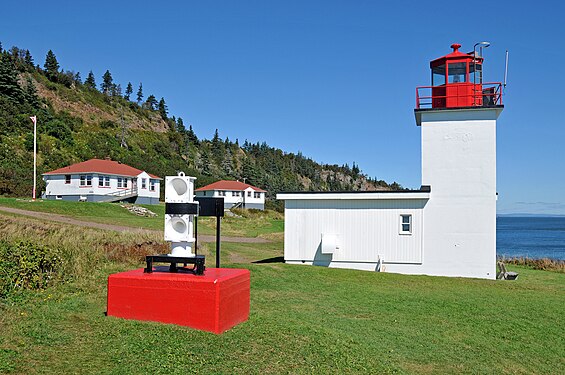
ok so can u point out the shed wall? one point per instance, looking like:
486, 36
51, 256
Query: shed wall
366, 230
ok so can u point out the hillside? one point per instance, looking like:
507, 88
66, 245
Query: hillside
78, 120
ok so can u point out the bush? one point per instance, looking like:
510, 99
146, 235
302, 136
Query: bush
24, 265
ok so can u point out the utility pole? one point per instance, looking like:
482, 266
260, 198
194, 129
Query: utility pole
34, 120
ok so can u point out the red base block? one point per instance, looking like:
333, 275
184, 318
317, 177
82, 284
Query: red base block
214, 302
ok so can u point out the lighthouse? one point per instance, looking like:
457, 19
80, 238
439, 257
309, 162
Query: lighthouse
457, 115
447, 227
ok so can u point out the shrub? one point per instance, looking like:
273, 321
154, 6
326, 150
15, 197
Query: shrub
24, 265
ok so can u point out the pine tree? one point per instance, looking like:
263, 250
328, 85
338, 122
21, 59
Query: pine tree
51, 66
163, 109
78, 79
30, 93
129, 91
151, 102
107, 83
90, 82
9, 80
28, 59
180, 125
140, 93
191, 135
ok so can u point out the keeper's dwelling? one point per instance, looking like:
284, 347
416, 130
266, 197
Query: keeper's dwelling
236, 194
448, 226
102, 180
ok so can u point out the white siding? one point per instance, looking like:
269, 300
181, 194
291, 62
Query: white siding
367, 230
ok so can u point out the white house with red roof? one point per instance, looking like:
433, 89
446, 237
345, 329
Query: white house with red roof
236, 194
102, 180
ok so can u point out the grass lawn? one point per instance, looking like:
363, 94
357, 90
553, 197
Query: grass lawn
111, 213
303, 319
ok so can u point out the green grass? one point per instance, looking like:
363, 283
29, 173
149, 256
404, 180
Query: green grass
303, 320
253, 225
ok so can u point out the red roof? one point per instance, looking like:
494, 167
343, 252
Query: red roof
105, 166
229, 185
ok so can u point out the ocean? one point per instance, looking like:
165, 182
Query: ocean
532, 237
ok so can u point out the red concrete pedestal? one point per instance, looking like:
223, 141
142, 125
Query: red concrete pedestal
214, 302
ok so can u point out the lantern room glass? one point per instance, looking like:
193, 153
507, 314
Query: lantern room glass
456, 73
438, 75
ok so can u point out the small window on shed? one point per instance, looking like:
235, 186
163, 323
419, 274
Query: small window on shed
405, 224
67, 179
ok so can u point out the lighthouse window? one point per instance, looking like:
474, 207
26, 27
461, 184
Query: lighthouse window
438, 75
456, 72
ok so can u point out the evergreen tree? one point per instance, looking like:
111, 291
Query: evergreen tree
180, 126
151, 102
30, 93
78, 79
140, 93
163, 109
51, 66
107, 83
9, 80
129, 91
116, 90
90, 82
28, 59
227, 163
191, 135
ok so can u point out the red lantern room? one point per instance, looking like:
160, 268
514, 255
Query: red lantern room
457, 82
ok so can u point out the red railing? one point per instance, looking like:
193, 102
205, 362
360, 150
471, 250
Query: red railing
486, 95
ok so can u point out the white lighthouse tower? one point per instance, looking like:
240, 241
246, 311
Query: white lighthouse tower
458, 122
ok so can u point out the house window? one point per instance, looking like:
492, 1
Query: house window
248, 193
151, 185
144, 183
67, 179
104, 181
222, 193
120, 182
235, 193
85, 180
204, 193
256, 195
405, 224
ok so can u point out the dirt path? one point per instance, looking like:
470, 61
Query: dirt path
118, 228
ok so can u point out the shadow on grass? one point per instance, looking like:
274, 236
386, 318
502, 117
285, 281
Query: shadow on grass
270, 260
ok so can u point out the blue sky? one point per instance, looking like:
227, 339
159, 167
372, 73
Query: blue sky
334, 79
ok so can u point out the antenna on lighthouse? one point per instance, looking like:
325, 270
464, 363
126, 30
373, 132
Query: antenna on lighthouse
506, 69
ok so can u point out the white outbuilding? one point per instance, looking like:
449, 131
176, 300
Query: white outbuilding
102, 180
448, 226
236, 194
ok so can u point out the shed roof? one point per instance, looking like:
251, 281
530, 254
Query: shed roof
104, 166
229, 185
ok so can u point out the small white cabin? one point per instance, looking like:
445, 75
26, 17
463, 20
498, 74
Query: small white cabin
98, 180
236, 194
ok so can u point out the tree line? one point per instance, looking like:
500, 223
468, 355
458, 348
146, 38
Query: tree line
66, 137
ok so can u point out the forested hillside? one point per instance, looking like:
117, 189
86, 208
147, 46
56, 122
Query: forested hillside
80, 119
